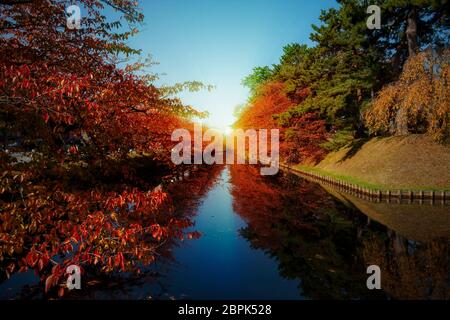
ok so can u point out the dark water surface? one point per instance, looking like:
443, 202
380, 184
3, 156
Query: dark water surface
283, 237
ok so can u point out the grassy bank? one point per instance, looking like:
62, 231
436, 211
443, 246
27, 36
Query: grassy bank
412, 162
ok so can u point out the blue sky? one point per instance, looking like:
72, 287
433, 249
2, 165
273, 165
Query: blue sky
219, 42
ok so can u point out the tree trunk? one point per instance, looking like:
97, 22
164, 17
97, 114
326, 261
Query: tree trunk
411, 32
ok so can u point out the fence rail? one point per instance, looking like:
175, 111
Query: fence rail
375, 194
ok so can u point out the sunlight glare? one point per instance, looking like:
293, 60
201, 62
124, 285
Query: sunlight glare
228, 131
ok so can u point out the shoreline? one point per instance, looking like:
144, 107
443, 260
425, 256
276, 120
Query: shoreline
408, 167
371, 193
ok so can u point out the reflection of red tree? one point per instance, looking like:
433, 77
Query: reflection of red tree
295, 222
263, 204
254, 200
187, 193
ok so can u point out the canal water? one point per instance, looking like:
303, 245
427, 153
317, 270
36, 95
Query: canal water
283, 237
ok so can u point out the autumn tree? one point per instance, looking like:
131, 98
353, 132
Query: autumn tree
304, 139
418, 102
72, 123
348, 63
269, 101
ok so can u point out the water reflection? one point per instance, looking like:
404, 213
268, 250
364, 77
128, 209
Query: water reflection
222, 264
326, 243
185, 193
281, 237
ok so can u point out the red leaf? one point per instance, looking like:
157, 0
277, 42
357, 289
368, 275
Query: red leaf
73, 149
48, 283
40, 264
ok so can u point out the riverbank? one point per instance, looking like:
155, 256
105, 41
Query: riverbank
412, 162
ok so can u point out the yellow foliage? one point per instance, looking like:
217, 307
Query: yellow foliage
418, 102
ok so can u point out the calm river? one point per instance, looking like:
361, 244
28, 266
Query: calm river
283, 237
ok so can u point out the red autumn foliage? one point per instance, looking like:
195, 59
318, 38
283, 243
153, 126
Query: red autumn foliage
79, 199
270, 101
303, 139
300, 136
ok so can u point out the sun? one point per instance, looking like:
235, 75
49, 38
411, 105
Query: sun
228, 131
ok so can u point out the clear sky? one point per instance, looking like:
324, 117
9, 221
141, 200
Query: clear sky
219, 42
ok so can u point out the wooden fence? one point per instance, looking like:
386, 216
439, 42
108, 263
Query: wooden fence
373, 194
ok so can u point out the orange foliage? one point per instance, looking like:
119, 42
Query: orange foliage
300, 137
418, 102
270, 101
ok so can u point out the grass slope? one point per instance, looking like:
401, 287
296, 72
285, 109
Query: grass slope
402, 162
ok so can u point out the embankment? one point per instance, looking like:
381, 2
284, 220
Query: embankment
412, 162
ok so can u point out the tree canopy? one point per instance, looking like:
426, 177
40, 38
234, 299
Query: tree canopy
85, 136
339, 77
